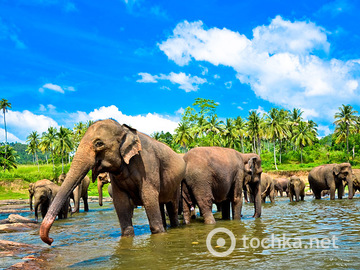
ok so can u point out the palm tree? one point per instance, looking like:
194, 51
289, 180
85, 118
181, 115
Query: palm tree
254, 130
294, 120
33, 141
346, 115
183, 135
305, 134
48, 143
275, 123
240, 125
64, 143
213, 127
4, 106
10, 161
230, 133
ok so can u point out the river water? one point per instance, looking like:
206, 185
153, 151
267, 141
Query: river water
314, 234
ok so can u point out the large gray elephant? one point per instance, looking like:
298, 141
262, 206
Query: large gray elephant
331, 176
43, 198
296, 188
267, 188
356, 182
281, 186
214, 175
32, 186
81, 192
102, 180
142, 170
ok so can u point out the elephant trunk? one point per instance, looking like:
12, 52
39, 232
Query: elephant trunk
99, 186
36, 207
31, 205
82, 163
297, 194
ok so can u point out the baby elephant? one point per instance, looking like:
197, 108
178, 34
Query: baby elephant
296, 188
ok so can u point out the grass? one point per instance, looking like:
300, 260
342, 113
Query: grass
14, 184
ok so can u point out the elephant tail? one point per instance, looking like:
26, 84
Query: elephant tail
266, 189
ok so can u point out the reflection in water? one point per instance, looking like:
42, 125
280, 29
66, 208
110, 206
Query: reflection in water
92, 240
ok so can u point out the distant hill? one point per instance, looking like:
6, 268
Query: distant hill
23, 156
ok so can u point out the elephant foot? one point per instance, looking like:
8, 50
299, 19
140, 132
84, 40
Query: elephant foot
209, 221
128, 231
157, 230
256, 215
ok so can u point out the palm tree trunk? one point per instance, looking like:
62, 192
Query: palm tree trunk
62, 162
37, 161
275, 156
5, 139
280, 150
301, 152
347, 140
242, 144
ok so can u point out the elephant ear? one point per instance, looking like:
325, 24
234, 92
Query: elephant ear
131, 145
337, 169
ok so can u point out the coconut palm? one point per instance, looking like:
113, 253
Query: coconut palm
230, 133
240, 125
275, 123
47, 143
10, 161
254, 130
213, 127
346, 115
305, 135
183, 135
63, 143
33, 141
4, 106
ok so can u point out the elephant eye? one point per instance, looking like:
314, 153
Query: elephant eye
99, 144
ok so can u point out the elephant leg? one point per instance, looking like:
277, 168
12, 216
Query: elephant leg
150, 198
172, 209
225, 209
256, 194
86, 203
237, 197
205, 205
124, 209
341, 191
163, 214
76, 193
332, 192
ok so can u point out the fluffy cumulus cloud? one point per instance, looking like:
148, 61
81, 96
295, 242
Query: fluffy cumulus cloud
20, 124
10, 137
185, 82
281, 62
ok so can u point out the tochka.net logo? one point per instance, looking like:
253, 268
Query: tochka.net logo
272, 242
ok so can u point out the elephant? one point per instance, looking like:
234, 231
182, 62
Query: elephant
142, 171
102, 179
325, 192
214, 175
331, 176
32, 186
356, 182
296, 187
252, 181
43, 198
61, 178
267, 188
81, 192
281, 186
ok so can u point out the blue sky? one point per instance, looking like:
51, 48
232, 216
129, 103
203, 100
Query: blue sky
142, 62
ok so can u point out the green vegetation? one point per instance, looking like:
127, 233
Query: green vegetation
282, 138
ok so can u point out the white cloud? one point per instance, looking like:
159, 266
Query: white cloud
280, 62
240, 108
10, 137
56, 88
186, 82
148, 123
22, 123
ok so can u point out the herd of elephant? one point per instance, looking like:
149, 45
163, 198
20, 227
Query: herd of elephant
145, 172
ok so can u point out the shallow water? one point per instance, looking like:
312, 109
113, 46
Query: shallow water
92, 240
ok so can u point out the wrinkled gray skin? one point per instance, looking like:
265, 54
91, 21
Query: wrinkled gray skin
44, 196
356, 182
32, 186
331, 176
214, 175
296, 188
252, 180
281, 186
267, 188
142, 170
81, 192
102, 180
